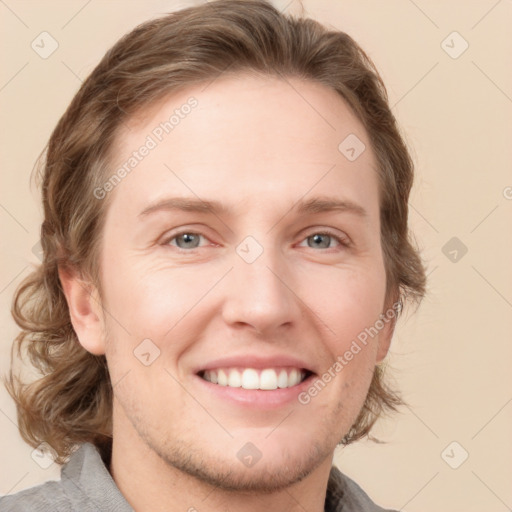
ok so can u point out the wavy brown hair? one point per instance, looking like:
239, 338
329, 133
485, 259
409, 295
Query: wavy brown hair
71, 400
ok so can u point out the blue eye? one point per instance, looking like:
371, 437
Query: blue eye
323, 240
319, 240
186, 240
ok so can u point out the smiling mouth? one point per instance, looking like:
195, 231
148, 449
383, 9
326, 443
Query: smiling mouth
266, 379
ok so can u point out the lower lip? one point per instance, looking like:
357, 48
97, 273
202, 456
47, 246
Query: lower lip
257, 398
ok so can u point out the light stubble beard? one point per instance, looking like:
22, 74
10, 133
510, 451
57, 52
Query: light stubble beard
233, 476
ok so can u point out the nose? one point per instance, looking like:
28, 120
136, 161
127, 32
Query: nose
260, 295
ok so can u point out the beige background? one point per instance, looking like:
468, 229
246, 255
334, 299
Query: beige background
452, 358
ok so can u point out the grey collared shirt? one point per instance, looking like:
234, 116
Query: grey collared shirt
87, 486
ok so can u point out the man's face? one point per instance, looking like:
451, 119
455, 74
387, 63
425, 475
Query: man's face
256, 293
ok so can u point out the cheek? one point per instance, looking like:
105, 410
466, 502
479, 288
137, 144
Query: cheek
148, 321
153, 301
347, 300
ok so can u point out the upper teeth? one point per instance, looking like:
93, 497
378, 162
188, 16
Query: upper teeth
249, 378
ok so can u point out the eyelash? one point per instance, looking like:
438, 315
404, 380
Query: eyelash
343, 242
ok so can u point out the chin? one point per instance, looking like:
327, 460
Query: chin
271, 472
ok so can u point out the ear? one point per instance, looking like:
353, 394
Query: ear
84, 309
386, 333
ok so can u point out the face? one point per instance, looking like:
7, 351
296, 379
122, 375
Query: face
242, 248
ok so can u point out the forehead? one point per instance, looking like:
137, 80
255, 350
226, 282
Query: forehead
244, 138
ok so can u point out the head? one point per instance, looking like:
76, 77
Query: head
252, 118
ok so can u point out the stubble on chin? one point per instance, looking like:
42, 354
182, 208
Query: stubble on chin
232, 476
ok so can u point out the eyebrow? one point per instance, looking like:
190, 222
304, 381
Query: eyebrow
185, 204
327, 204
311, 206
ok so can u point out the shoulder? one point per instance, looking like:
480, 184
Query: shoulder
85, 482
41, 498
345, 495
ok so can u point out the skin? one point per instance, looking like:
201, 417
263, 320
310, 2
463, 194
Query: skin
258, 145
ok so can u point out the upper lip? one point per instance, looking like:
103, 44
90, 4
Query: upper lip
255, 361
